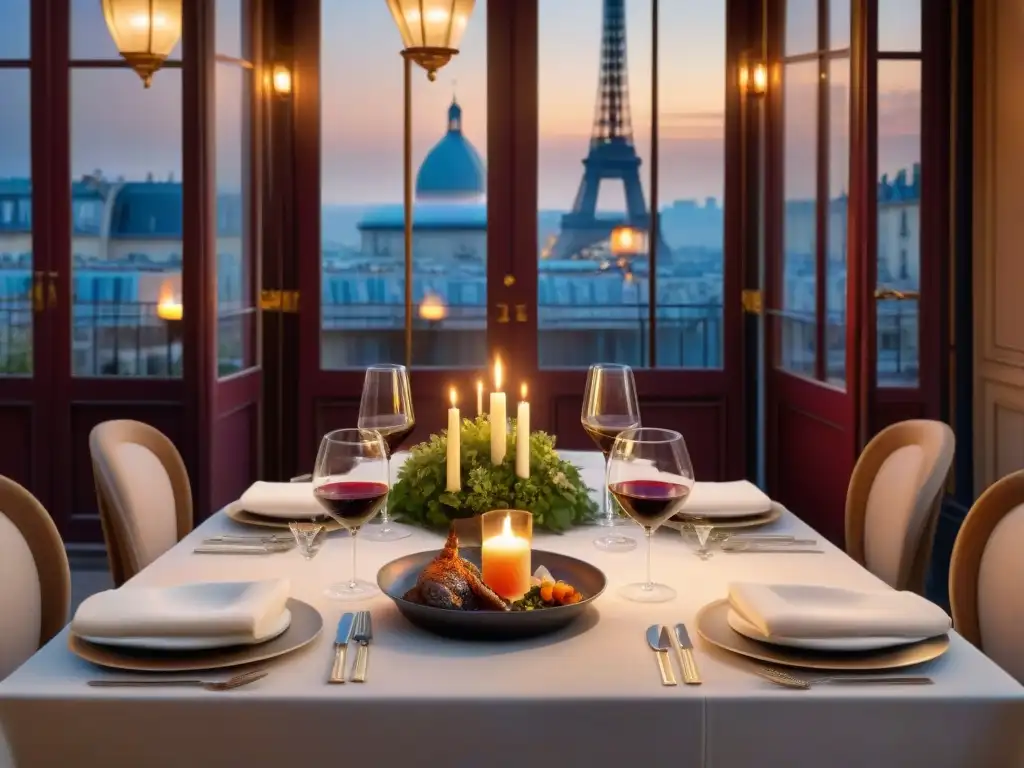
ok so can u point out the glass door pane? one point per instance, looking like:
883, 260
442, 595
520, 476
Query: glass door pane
838, 198
16, 267
363, 265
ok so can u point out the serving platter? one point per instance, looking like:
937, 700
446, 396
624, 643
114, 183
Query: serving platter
399, 576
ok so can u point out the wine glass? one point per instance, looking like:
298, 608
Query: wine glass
386, 406
650, 475
610, 406
350, 480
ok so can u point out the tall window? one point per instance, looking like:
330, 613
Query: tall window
363, 264
16, 278
126, 208
596, 232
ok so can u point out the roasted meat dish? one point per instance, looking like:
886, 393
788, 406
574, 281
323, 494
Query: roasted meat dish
451, 581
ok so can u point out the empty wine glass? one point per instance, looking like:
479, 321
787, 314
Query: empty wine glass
350, 480
386, 406
650, 474
609, 407
702, 528
309, 537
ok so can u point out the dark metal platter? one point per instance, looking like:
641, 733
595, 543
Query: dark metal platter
398, 576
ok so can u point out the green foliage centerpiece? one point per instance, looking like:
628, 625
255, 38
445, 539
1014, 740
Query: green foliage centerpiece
554, 491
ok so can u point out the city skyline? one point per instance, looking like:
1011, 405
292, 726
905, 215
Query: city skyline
361, 115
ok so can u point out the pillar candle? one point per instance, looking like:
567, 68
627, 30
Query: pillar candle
497, 417
479, 398
505, 563
454, 457
523, 436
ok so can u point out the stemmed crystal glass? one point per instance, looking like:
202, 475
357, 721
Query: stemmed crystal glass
650, 474
609, 407
386, 406
351, 482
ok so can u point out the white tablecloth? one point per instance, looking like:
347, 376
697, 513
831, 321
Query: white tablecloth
591, 697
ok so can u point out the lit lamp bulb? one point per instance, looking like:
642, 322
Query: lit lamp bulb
281, 80
626, 240
431, 30
433, 309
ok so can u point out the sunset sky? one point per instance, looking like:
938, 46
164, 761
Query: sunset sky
122, 129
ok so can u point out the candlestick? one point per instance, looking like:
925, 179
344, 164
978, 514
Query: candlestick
505, 554
523, 436
454, 456
498, 423
479, 397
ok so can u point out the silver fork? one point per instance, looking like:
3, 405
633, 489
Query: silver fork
362, 633
787, 680
211, 685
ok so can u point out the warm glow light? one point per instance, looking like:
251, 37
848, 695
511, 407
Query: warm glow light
431, 29
168, 307
497, 374
626, 240
144, 31
453, 396
506, 527
281, 80
479, 386
522, 392
760, 79
433, 308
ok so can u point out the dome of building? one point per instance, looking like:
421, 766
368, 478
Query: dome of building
453, 168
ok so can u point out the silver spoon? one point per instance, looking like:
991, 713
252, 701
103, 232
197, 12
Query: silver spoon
211, 685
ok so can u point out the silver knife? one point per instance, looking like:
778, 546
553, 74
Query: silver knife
363, 635
691, 675
225, 548
341, 638
658, 640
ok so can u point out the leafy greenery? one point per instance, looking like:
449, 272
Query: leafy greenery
554, 492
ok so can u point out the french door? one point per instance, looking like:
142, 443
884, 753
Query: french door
855, 259
560, 263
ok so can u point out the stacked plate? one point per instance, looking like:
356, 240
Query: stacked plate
274, 505
191, 626
738, 504
816, 627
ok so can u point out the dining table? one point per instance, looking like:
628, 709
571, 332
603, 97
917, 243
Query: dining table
589, 695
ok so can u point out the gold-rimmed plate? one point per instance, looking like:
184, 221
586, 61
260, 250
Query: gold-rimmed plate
305, 626
245, 517
713, 627
730, 523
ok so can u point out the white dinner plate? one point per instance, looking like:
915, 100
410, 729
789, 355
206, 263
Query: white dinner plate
850, 644
192, 643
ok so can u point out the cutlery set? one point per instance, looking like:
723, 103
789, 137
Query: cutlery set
768, 543
243, 544
211, 685
661, 641
786, 680
352, 627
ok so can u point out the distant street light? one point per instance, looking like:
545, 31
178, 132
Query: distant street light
144, 31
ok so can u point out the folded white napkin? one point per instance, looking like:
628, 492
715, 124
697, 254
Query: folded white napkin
806, 611
732, 499
203, 609
290, 500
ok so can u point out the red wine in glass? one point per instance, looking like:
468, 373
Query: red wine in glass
604, 429
393, 427
650, 502
352, 502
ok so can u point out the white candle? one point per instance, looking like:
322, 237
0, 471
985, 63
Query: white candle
498, 424
523, 436
454, 457
479, 397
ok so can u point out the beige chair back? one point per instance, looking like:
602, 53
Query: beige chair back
144, 496
892, 506
34, 570
986, 575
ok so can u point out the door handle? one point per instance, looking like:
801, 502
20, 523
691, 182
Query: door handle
891, 294
52, 300
38, 304
520, 313
502, 313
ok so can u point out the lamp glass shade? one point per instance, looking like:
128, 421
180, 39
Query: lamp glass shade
431, 23
144, 31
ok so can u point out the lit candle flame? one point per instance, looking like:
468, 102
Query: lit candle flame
522, 392
453, 396
497, 374
479, 386
506, 527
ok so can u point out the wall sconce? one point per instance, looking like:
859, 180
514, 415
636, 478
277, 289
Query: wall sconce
754, 78
281, 80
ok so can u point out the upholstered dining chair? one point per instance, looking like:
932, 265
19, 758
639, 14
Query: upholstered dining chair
144, 496
986, 573
892, 505
34, 566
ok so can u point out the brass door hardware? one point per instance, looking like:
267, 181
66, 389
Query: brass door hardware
279, 301
502, 313
891, 294
520, 313
51, 301
509, 280
753, 304
38, 301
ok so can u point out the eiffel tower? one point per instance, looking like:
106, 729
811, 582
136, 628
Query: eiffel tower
612, 154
